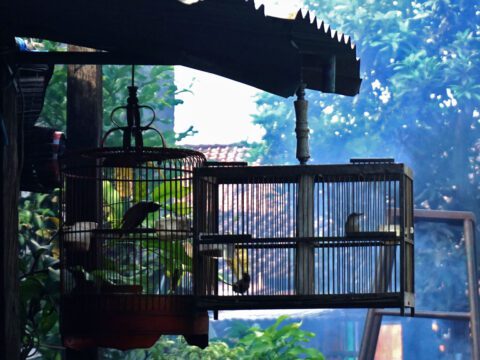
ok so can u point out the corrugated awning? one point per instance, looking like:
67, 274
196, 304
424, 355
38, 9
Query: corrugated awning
229, 38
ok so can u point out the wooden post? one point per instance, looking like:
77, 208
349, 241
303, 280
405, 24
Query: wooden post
10, 168
84, 105
301, 125
84, 130
304, 269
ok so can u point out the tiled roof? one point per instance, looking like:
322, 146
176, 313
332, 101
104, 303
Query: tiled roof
223, 153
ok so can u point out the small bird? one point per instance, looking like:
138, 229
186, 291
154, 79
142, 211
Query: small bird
82, 284
135, 215
352, 225
177, 274
242, 285
238, 262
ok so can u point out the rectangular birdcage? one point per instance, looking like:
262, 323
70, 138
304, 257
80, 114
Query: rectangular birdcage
304, 236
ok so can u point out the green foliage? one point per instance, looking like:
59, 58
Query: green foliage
237, 330
278, 341
418, 102
54, 110
39, 274
173, 348
115, 212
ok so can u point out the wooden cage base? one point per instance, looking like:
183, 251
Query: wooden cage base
245, 302
130, 321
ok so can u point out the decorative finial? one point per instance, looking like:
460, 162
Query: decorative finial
301, 128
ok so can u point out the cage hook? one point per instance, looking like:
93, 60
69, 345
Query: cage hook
134, 126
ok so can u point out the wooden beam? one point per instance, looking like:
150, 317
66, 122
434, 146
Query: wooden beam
88, 58
84, 130
305, 253
10, 169
230, 39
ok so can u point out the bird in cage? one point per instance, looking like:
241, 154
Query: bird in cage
136, 214
242, 285
83, 285
240, 261
237, 259
352, 225
239, 265
176, 276
77, 237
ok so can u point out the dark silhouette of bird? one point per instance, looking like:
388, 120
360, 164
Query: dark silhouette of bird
82, 285
177, 274
242, 285
352, 225
135, 215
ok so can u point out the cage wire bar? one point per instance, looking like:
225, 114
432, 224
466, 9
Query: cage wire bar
321, 236
117, 271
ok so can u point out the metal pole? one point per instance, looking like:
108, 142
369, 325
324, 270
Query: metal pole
445, 315
469, 235
374, 317
373, 321
371, 331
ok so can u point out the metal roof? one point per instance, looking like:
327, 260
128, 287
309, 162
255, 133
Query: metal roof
230, 38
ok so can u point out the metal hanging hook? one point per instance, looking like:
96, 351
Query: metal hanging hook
134, 126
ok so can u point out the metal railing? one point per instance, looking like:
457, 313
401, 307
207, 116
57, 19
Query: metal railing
374, 318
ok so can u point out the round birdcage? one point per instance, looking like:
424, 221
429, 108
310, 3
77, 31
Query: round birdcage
126, 241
